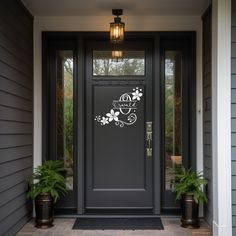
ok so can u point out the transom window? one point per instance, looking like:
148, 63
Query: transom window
118, 63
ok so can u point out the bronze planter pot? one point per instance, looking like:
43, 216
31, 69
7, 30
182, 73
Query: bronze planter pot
189, 209
44, 211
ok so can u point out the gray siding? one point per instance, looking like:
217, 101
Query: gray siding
16, 106
207, 114
233, 114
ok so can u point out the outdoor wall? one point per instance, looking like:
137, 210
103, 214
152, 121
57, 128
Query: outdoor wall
233, 114
207, 113
16, 114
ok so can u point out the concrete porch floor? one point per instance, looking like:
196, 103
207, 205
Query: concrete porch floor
63, 227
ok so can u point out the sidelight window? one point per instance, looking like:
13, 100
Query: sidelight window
173, 115
64, 112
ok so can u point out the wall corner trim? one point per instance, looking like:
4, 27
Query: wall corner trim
221, 117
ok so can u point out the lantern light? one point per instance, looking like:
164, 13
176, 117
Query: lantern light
117, 28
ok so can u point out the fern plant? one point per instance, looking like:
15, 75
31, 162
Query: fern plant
189, 182
48, 178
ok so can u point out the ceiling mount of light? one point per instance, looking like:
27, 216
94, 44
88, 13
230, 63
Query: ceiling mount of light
117, 28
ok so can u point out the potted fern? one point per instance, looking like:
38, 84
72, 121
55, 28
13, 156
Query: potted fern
47, 183
188, 187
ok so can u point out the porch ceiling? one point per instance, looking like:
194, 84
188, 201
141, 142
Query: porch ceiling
103, 7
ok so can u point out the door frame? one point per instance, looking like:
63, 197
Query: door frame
80, 38
187, 46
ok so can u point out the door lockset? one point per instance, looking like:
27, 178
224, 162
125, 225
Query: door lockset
149, 138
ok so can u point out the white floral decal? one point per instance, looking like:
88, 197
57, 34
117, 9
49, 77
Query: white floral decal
137, 95
104, 121
126, 105
113, 115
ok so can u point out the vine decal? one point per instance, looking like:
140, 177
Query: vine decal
126, 106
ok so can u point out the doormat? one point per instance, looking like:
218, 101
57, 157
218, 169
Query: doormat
118, 224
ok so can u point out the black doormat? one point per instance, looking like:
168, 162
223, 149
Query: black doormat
118, 224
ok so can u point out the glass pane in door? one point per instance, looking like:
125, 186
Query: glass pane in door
64, 112
118, 63
173, 115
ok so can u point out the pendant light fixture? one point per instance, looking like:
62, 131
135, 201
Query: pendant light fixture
117, 28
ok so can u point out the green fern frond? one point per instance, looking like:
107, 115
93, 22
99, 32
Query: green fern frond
189, 182
48, 178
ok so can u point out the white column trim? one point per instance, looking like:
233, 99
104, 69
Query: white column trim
221, 117
37, 96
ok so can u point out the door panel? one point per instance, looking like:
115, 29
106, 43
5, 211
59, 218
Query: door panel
118, 171
114, 154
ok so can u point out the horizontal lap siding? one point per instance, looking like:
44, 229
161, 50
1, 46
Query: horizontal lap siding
16, 115
207, 112
233, 115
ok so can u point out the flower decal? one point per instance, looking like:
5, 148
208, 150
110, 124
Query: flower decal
137, 95
104, 121
124, 109
113, 115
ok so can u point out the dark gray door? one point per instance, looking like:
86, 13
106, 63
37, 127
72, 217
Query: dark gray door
118, 107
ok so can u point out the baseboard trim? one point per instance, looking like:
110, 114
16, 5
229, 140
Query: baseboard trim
221, 230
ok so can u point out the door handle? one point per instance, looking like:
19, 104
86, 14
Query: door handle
149, 138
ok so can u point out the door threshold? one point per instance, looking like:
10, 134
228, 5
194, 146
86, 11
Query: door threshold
119, 211
115, 216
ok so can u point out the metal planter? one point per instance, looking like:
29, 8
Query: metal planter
44, 211
189, 209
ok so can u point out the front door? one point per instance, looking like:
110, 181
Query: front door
119, 163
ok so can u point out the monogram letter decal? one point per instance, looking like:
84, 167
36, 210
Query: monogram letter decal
126, 105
